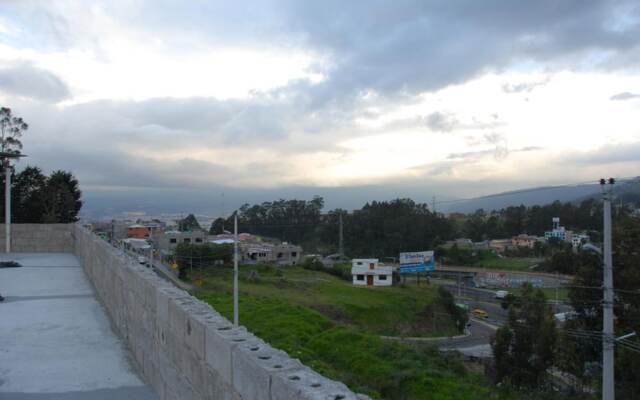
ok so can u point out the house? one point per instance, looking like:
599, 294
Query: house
138, 231
264, 252
369, 272
500, 245
578, 239
558, 232
169, 240
524, 240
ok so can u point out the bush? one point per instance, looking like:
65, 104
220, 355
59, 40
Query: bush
342, 271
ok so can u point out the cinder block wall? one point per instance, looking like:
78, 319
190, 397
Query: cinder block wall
184, 348
39, 238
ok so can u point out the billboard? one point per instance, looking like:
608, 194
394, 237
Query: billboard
417, 261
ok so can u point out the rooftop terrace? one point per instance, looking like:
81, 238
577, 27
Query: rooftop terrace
55, 338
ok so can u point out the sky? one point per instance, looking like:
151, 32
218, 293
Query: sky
144, 99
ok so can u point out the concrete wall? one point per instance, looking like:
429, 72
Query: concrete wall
39, 238
183, 347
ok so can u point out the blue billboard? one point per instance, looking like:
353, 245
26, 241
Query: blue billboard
417, 261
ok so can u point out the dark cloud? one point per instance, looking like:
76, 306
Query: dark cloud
624, 96
418, 46
25, 80
618, 153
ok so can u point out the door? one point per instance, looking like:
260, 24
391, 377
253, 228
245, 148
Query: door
369, 280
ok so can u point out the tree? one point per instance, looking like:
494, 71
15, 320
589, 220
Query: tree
217, 226
585, 294
190, 223
37, 198
28, 194
524, 348
11, 129
62, 198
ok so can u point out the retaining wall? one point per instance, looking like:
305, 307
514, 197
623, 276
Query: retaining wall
39, 238
184, 348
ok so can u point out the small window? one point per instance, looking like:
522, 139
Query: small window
359, 263
360, 277
279, 255
198, 240
372, 266
294, 254
382, 277
187, 240
173, 240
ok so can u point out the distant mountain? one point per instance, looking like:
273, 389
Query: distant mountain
628, 191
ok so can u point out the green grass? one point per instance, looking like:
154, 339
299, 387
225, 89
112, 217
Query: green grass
334, 328
389, 311
509, 264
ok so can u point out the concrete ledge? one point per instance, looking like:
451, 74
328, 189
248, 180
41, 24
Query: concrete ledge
40, 238
182, 346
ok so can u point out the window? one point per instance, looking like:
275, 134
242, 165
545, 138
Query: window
187, 240
279, 255
173, 240
294, 254
372, 266
360, 277
198, 240
382, 277
359, 263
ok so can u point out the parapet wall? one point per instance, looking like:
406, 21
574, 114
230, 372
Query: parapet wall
39, 238
184, 348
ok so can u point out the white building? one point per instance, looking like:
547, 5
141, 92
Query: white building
368, 272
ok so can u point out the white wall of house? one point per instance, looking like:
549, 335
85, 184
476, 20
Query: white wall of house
368, 272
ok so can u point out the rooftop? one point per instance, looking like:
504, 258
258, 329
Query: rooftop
55, 338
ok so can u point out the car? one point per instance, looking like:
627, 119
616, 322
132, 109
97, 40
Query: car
480, 313
142, 259
501, 294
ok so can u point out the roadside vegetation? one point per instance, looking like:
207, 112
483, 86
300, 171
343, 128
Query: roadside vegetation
335, 328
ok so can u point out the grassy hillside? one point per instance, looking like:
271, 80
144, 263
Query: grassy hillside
334, 328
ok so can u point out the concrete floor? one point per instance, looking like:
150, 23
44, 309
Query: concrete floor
56, 342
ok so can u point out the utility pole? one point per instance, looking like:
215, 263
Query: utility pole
151, 247
341, 239
235, 269
608, 338
7, 204
433, 204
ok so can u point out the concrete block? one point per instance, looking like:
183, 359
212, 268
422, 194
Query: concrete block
305, 384
253, 366
192, 367
217, 388
219, 344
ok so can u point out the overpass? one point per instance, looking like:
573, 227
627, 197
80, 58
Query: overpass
82, 320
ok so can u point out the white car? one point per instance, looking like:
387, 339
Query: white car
501, 294
142, 259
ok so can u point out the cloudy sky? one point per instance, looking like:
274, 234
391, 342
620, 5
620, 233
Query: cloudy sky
267, 98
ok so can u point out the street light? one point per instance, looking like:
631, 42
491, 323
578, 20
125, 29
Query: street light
6, 163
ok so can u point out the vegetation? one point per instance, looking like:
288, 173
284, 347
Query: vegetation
11, 129
189, 223
581, 356
37, 198
384, 228
483, 259
334, 328
189, 256
524, 348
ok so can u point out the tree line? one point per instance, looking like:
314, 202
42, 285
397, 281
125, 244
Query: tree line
530, 344
37, 198
385, 228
